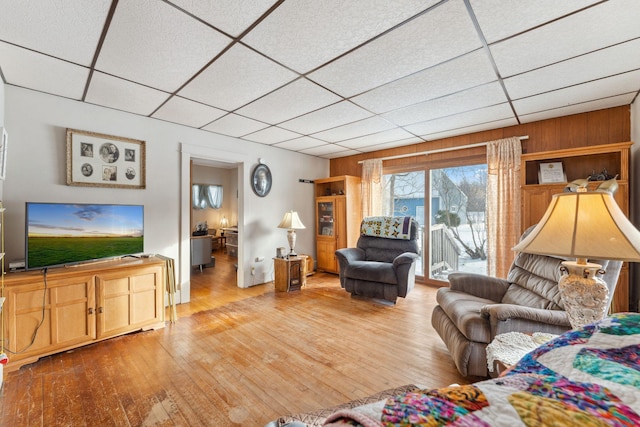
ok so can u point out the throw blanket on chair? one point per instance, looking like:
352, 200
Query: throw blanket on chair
388, 227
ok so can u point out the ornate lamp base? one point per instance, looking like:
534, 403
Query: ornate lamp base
583, 294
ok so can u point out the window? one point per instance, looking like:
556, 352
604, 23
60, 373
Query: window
206, 196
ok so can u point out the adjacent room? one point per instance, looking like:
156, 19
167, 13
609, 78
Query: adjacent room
297, 213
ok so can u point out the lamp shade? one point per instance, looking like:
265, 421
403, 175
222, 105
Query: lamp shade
291, 220
584, 225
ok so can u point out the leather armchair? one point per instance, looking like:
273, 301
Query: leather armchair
379, 267
475, 308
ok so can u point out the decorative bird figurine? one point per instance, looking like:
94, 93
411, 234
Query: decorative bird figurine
573, 186
609, 186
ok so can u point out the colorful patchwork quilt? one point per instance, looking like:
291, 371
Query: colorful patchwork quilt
585, 377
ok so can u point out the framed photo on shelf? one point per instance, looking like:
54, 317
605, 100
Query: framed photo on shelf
551, 173
4, 139
100, 160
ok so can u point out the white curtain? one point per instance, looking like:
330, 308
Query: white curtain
206, 196
371, 187
503, 204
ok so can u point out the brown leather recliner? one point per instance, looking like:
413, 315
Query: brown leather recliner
475, 308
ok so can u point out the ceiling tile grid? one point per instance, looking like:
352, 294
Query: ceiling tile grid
331, 78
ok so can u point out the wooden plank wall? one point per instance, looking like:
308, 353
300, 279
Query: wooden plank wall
606, 126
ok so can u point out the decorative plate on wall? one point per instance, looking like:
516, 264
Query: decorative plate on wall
261, 180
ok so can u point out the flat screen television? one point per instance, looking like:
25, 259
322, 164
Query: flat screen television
60, 234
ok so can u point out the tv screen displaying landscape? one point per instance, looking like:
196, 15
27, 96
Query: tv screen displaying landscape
65, 233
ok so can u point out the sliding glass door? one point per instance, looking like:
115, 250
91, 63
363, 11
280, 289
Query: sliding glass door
450, 205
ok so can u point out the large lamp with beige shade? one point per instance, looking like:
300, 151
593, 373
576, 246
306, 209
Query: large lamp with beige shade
583, 225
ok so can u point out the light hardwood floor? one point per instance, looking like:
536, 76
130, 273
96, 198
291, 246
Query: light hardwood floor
237, 357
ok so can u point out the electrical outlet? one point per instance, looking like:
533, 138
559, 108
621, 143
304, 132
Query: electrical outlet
253, 271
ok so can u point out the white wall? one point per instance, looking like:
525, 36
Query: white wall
36, 171
2, 125
635, 198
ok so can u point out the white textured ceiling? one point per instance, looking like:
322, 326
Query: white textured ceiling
329, 78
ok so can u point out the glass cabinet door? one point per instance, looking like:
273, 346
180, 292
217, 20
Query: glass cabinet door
325, 218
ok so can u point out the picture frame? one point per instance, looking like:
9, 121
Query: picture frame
101, 160
4, 140
551, 173
261, 180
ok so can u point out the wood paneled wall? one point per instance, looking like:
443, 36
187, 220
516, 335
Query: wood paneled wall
594, 128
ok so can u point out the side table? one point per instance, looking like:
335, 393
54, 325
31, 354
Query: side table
290, 273
507, 349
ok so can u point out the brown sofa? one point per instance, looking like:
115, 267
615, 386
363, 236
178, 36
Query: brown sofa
475, 308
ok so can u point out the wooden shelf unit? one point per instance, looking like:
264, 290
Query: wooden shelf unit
80, 305
578, 163
337, 218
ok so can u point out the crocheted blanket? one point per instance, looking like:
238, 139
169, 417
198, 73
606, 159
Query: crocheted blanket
589, 376
389, 227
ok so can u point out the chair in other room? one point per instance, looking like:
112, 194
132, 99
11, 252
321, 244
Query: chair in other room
383, 263
475, 308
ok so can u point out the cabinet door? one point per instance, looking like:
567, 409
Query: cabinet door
326, 248
64, 311
535, 201
129, 300
325, 209
341, 222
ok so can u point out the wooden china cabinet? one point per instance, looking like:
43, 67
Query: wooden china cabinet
337, 218
614, 159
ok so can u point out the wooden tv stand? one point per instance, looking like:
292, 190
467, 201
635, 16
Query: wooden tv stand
81, 305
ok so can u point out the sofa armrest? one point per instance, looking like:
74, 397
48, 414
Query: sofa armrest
513, 311
479, 285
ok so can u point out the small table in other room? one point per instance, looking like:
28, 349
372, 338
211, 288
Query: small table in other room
507, 349
290, 273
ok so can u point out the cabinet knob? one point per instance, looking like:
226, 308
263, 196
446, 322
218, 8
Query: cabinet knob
100, 310
90, 310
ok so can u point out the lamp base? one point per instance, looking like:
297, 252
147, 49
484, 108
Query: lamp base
583, 294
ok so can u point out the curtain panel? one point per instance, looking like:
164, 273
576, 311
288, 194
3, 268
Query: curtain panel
371, 185
503, 204
206, 196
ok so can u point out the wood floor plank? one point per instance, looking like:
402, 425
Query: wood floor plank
237, 357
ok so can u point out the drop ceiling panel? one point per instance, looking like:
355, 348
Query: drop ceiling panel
123, 95
237, 78
599, 104
300, 143
575, 35
156, 45
230, 16
377, 138
188, 113
67, 29
329, 149
469, 118
470, 99
453, 76
471, 129
503, 18
353, 130
22, 67
329, 117
271, 135
234, 125
441, 34
295, 99
602, 63
305, 34
340, 154
616, 85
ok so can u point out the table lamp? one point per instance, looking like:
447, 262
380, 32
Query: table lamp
224, 223
291, 221
583, 225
